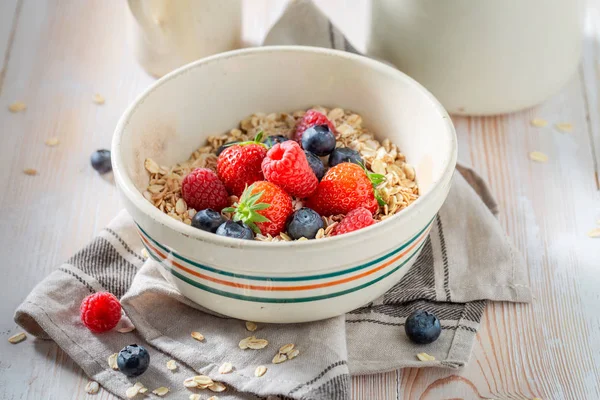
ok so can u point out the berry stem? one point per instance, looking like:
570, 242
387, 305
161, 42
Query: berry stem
376, 180
248, 207
257, 140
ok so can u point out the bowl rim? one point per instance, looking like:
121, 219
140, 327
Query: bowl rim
127, 187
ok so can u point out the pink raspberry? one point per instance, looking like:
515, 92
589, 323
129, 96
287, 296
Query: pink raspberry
100, 312
202, 189
286, 166
356, 219
309, 119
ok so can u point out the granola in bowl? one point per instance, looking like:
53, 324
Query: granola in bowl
392, 180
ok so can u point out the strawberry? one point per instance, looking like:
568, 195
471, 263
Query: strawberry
356, 219
239, 165
264, 207
311, 118
202, 189
286, 166
344, 188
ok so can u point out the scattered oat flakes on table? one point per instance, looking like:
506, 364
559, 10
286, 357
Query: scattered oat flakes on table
594, 233
538, 157
18, 338
253, 343
195, 396
171, 365
251, 326
98, 99
279, 358
260, 371
112, 361
161, 391
226, 368
293, 354
203, 381
51, 142
30, 171
92, 387
539, 122
564, 127
213, 398
198, 336
425, 357
190, 383
217, 387
17, 106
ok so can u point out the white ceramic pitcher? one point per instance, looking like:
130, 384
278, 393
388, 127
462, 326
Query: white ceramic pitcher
481, 57
167, 34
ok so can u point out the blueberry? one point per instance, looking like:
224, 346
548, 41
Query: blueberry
422, 327
273, 140
208, 220
319, 140
236, 230
344, 154
101, 161
315, 164
304, 223
226, 145
133, 360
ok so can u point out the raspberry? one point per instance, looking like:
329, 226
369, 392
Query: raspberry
100, 312
286, 166
311, 118
356, 219
202, 189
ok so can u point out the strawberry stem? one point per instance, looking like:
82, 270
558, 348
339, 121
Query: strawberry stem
247, 209
376, 180
257, 140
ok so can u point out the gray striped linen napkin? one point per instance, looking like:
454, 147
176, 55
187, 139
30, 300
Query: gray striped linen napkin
467, 260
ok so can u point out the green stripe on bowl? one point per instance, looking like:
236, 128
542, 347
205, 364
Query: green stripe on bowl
275, 300
288, 279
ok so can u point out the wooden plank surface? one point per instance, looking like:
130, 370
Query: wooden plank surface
62, 52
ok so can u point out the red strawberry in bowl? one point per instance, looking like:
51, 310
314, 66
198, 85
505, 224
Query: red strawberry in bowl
356, 219
264, 207
345, 187
286, 166
202, 189
310, 119
239, 165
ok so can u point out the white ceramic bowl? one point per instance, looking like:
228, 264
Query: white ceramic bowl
284, 281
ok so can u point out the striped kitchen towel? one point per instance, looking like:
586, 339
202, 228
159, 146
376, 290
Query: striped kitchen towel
467, 259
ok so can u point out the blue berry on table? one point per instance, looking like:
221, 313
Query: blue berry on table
236, 230
344, 154
271, 141
133, 360
422, 327
318, 140
100, 160
304, 223
315, 164
208, 220
226, 145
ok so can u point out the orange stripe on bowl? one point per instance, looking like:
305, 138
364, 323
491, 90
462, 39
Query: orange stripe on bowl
285, 288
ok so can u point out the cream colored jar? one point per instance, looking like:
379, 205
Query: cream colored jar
481, 57
167, 34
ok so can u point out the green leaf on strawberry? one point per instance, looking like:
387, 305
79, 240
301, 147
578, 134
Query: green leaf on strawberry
257, 140
246, 209
376, 180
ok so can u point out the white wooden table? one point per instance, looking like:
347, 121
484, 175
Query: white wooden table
56, 54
